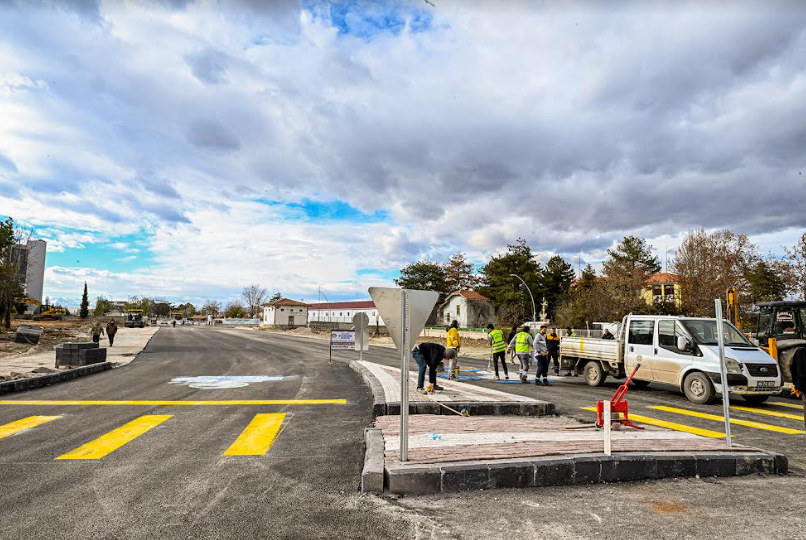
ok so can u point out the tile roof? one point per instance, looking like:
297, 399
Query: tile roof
285, 302
663, 277
356, 304
471, 296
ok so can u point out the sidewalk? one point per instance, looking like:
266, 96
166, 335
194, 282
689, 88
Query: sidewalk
128, 344
384, 381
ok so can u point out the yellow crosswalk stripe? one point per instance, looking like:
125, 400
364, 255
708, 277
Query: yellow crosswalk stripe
109, 442
258, 436
671, 425
768, 412
781, 404
719, 418
24, 424
169, 402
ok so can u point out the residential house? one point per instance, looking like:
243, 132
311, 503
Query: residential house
662, 288
471, 309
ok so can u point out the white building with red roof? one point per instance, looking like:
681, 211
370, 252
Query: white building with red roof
343, 312
471, 309
285, 313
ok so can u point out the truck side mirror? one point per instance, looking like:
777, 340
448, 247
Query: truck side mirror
682, 343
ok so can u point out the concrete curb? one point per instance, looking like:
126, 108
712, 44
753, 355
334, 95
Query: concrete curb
22, 385
476, 408
577, 469
372, 474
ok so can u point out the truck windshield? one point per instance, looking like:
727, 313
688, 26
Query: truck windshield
704, 332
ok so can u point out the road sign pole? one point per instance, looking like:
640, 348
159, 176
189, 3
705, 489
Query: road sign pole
405, 351
720, 329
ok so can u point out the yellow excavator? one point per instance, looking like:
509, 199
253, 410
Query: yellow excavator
50, 313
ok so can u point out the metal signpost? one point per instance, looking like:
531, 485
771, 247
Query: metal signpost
361, 322
404, 313
723, 370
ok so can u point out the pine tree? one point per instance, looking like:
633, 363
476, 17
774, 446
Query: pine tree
510, 298
557, 278
85, 304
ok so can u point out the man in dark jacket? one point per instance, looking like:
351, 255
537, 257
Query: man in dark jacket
798, 369
429, 355
111, 330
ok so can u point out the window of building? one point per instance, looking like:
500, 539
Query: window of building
458, 310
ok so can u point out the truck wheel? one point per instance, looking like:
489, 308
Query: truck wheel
755, 400
639, 384
699, 389
594, 374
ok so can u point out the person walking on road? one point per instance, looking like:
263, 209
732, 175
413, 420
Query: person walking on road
510, 336
429, 355
553, 344
498, 348
798, 370
97, 331
111, 330
453, 341
522, 343
542, 357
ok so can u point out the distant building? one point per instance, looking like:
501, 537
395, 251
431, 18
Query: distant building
285, 313
662, 288
343, 312
32, 268
471, 309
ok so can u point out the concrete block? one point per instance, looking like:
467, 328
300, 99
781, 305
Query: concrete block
588, 468
91, 356
477, 409
393, 408
781, 464
413, 479
553, 471
465, 477
372, 473
716, 464
378, 409
512, 475
754, 464
675, 464
626, 467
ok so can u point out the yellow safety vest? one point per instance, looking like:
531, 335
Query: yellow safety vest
497, 341
522, 342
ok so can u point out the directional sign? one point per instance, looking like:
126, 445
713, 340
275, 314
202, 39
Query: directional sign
361, 322
389, 302
340, 339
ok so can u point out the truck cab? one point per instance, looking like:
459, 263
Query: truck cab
785, 321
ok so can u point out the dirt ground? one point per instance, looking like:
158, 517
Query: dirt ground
471, 348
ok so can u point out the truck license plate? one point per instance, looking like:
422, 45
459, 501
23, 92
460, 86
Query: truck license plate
763, 384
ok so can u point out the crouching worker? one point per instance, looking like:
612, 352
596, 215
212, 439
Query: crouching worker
429, 355
523, 344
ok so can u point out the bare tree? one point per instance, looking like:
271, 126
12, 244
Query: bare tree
793, 268
708, 263
211, 307
234, 310
253, 296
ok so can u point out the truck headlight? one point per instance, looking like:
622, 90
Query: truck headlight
733, 366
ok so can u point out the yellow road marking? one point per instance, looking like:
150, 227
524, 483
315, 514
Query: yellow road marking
109, 442
162, 402
719, 418
790, 405
258, 436
768, 412
671, 425
24, 424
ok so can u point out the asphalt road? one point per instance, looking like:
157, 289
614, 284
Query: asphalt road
174, 481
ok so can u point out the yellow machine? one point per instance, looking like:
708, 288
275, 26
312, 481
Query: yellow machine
49, 313
134, 319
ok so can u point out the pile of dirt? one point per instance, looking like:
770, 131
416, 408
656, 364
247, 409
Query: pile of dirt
302, 330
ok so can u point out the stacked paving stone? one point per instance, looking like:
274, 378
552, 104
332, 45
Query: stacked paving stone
79, 354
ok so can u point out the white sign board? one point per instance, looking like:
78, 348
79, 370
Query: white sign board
340, 339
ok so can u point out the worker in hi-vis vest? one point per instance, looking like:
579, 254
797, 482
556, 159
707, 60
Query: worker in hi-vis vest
453, 341
523, 345
498, 348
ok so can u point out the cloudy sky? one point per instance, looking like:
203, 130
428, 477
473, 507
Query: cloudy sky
186, 149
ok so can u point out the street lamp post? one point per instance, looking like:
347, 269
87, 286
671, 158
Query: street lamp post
534, 309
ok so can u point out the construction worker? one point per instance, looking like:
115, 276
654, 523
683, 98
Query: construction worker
429, 355
453, 341
523, 344
512, 334
111, 330
570, 333
553, 344
798, 370
498, 348
97, 331
542, 357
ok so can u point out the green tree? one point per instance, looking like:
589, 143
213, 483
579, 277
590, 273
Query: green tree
424, 276
764, 284
627, 269
102, 306
507, 293
586, 302
235, 310
85, 304
276, 296
556, 282
459, 275
11, 258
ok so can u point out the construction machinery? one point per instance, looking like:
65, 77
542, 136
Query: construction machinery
134, 319
781, 331
50, 313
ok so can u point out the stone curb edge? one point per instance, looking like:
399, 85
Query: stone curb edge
578, 469
372, 474
22, 385
475, 408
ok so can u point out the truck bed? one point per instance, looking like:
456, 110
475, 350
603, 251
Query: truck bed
606, 350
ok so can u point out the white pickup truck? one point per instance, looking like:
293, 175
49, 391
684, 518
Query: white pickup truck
679, 351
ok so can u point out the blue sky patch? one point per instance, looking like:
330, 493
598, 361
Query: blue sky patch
365, 19
308, 210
